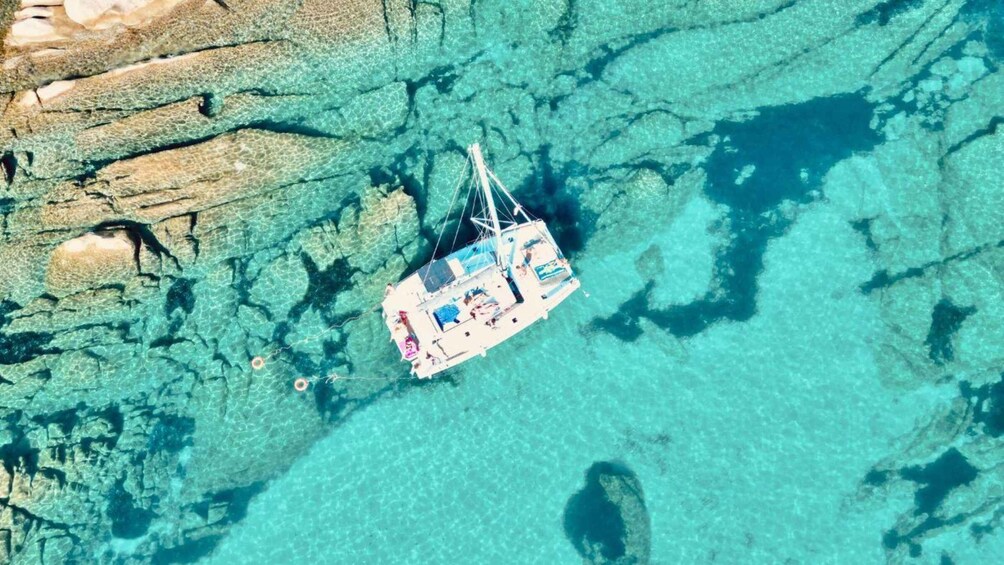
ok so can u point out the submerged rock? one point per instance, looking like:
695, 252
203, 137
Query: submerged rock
91, 261
607, 521
187, 185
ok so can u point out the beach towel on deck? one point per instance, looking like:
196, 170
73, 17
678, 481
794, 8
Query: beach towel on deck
409, 348
548, 270
446, 314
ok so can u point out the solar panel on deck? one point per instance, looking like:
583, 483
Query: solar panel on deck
436, 275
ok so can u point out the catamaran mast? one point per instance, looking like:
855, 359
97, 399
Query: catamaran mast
479, 164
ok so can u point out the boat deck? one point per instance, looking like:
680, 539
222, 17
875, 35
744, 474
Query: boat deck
483, 305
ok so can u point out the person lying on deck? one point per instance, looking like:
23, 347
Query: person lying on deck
474, 295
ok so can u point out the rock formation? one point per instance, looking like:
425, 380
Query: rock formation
607, 521
187, 184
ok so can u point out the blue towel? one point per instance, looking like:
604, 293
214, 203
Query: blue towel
446, 314
548, 270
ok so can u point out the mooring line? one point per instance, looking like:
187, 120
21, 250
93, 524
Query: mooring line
258, 362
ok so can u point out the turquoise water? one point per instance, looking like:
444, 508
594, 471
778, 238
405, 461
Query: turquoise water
751, 439
787, 219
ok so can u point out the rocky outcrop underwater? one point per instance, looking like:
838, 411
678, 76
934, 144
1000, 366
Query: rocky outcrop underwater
607, 521
188, 184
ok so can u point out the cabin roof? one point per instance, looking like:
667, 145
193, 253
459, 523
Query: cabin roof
436, 275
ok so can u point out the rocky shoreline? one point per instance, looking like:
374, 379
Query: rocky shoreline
189, 183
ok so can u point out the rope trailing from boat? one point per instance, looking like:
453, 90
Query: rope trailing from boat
258, 362
301, 384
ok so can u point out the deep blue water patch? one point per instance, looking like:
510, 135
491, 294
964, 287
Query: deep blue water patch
595, 524
882, 12
171, 433
22, 346
323, 288
989, 16
128, 520
988, 405
681, 321
939, 478
946, 319
876, 477
884, 279
978, 530
623, 324
791, 147
66, 420
211, 104
591, 519
892, 538
864, 227
18, 451
782, 143
180, 297
8, 166
441, 78
545, 196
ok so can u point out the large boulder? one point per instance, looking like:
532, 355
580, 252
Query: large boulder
91, 261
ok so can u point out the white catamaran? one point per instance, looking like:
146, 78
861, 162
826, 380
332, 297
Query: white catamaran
469, 301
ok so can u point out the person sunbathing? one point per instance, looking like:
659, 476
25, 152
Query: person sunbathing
485, 309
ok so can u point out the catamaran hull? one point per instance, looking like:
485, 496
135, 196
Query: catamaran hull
446, 314
505, 329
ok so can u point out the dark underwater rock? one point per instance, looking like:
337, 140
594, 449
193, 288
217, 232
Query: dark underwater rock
224, 138
607, 521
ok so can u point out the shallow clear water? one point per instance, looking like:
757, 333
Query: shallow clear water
787, 222
750, 439
738, 381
